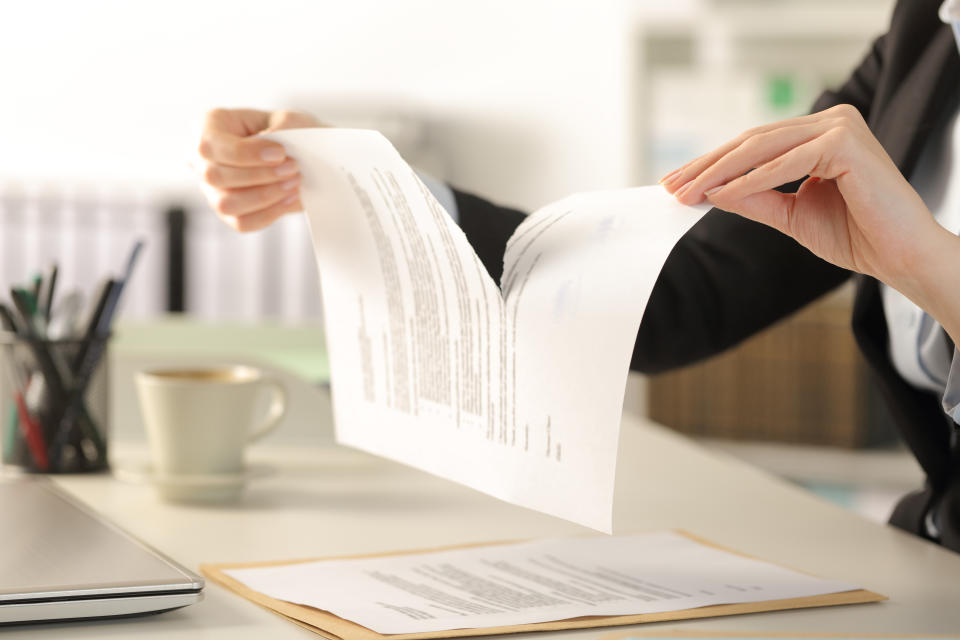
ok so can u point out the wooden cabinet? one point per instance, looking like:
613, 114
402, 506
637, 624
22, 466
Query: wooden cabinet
802, 380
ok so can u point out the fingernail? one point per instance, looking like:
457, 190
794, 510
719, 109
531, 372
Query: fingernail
288, 168
669, 176
710, 192
682, 190
290, 184
290, 199
272, 154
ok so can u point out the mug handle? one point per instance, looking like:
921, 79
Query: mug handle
278, 408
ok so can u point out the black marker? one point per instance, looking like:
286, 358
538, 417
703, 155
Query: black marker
9, 321
45, 300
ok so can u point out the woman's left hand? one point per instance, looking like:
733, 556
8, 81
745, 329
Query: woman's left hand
855, 209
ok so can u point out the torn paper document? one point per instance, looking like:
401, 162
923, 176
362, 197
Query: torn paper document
517, 393
511, 584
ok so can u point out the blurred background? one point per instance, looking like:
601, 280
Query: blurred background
521, 102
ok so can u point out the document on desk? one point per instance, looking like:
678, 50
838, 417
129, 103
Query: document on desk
516, 390
513, 584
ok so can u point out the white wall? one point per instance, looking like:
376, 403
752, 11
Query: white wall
527, 100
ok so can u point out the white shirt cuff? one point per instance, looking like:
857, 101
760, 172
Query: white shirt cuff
951, 397
443, 193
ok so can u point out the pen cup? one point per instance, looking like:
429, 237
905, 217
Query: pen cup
53, 403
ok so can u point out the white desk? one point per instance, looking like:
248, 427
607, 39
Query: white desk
331, 501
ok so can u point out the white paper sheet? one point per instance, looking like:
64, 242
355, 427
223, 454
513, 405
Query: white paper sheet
518, 395
531, 582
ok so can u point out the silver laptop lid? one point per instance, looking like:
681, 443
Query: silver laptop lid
52, 547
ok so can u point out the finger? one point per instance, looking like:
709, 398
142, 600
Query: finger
265, 217
238, 202
771, 208
235, 151
843, 113
751, 153
291, 120
676, 179
814, 158
239, 122
228, 138
223, 176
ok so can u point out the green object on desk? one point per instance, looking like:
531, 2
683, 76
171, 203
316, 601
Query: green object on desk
299, 349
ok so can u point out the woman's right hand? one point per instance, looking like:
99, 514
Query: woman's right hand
248, 180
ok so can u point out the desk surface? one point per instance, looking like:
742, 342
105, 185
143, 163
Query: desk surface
330, 501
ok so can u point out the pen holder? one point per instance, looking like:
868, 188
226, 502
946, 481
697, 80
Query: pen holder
54, 403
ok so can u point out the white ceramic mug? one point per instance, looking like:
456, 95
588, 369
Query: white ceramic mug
199, 421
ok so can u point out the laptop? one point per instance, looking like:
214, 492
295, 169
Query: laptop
61, 561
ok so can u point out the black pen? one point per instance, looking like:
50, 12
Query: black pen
105, 321
9, 321
45, 300
113, 300
132, 261
97, 331
108, 300
93, 321
37, 284
21, 302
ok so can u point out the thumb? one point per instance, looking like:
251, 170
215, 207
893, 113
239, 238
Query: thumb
771, 208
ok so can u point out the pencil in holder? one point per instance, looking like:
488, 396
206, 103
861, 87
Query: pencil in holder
55, 398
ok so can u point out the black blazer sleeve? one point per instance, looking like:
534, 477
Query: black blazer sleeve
487, 227
725, 280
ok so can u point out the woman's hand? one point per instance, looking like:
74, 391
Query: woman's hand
855, 209
249, 181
